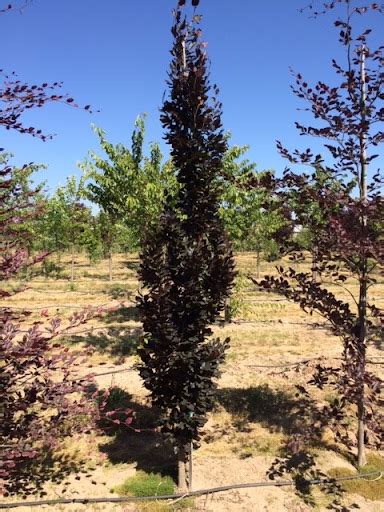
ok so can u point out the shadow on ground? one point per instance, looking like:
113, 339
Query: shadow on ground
132, 265
115, 341
120, 291
139, 444
29, 478
273, 409
122, 314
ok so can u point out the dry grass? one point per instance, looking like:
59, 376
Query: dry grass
256, 405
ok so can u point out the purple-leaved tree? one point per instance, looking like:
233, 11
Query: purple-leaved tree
341, 200
186, 261
41, 393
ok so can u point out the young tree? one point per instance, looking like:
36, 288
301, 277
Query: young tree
251, 216
186, 262
23, 226
349, 241
41, 395
128, 187
66, 222
310, 219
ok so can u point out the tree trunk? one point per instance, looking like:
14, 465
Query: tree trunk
72, 264
227, 312
181, 469
314, 265
258, 263
190, 467
361, 457
363, 275
110, 265
58, 251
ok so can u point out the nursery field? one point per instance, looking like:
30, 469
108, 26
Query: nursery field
274, 347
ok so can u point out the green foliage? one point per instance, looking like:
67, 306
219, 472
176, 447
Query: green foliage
272, 251
237, 304
24, 213
128, 187
247, 212
311, 216
304, 239
91, 239
117, 398
51, 269
146, 484
66, 222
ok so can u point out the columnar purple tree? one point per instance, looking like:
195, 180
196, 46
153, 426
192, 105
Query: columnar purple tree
186, 262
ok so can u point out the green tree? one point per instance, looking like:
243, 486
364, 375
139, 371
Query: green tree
311, 217
91, 239
23, 227
251, 216
128, 187
66, 220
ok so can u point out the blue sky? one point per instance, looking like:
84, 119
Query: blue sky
114, 55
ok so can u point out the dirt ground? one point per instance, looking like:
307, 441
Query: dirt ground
274, 346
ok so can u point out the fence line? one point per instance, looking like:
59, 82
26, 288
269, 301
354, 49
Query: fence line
201, 492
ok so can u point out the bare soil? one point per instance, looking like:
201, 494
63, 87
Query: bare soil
274, 346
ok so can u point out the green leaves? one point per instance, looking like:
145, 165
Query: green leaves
250, 215
128, 186
66, 220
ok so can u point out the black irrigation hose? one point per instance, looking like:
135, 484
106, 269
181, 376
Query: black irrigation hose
54, 306
39, 290
298, 363
61, 306
113, 372
75, 292
323, 325
212, 490
287, 365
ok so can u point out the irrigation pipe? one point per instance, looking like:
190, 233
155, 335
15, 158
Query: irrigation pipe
305, 361
134, 367
95, 329
55, 306
212, 490
130, 369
